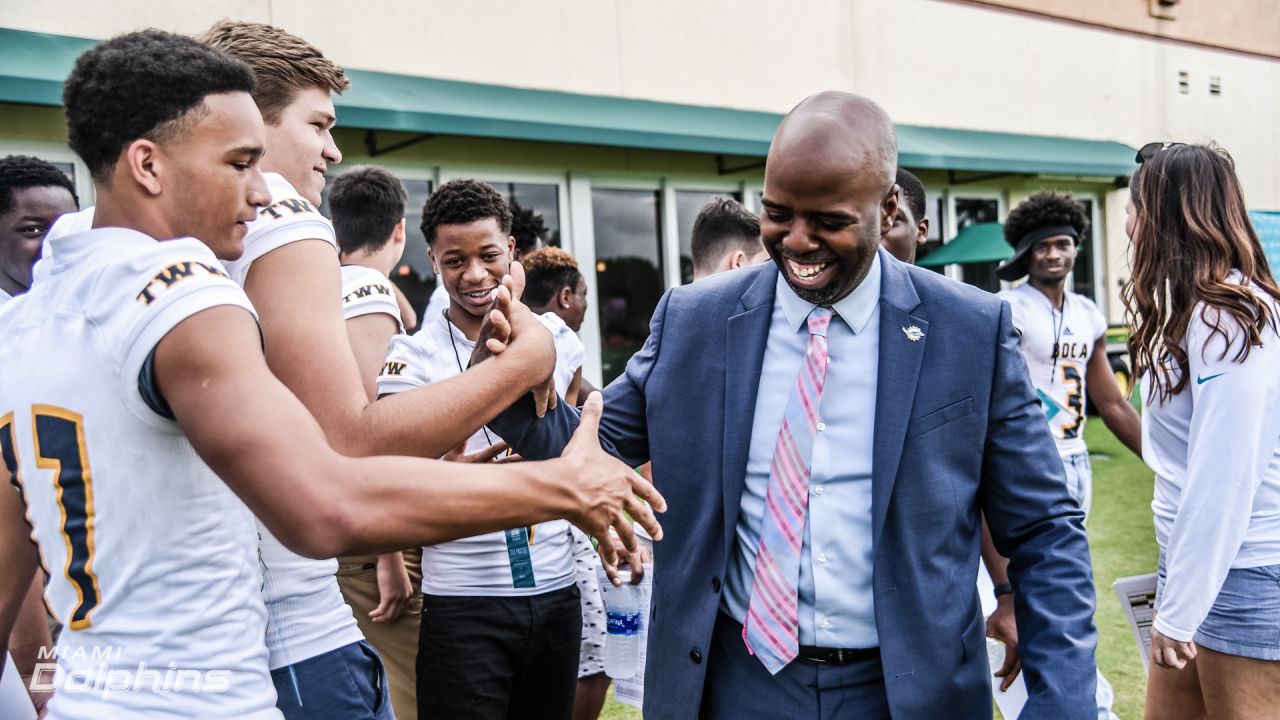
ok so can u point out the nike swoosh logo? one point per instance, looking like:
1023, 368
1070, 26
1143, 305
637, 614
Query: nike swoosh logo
1203, 380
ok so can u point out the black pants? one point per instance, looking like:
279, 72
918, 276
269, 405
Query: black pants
499, 658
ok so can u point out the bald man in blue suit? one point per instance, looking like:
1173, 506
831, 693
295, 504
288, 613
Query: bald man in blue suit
926, 419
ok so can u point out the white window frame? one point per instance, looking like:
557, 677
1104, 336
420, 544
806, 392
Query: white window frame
577, 224
749, 201
1098, 235
581, 186
492, 174
951, 194
671, 220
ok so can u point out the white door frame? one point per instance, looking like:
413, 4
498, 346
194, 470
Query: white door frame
951, 194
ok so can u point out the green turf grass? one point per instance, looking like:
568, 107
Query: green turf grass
1123, 543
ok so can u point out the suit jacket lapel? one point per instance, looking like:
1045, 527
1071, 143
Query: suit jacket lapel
900, 361
747, 333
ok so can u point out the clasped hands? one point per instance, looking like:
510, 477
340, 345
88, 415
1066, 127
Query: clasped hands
608, 496
511, 327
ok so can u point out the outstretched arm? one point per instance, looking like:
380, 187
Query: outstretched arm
1114, 408
624, 429
264, 443
296, 290
370, 337
1037, 525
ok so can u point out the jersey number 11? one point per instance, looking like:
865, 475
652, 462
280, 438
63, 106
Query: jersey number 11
60, 447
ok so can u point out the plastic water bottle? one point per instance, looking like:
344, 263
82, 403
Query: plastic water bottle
622, 641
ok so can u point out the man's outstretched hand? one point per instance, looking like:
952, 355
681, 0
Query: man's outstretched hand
607, 491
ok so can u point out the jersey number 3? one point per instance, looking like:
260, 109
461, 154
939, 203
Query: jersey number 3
60, 447
1075, 399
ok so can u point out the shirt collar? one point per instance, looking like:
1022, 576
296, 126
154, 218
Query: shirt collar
447, 332
855, 308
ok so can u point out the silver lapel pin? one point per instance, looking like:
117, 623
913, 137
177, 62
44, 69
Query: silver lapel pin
913, 333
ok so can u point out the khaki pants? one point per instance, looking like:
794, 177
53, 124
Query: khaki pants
396, 642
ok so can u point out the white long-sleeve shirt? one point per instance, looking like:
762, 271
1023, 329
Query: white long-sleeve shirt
1215, 449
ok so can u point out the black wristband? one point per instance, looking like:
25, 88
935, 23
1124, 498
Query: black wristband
1003, 588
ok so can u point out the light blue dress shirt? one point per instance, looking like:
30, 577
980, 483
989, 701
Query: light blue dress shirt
836, 605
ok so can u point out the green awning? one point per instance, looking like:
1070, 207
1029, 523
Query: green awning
983, 242
383, 101
33, 66
949, 149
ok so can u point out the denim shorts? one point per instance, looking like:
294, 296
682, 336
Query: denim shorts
1079, 474
1245, 618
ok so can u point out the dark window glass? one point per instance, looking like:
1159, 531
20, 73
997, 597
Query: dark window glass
542, 199
688, 204
414, 275
934, 210
68, 169
1082, 277
415, 246
971, 211
628, 271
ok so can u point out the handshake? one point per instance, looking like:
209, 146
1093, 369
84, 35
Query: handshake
600, 492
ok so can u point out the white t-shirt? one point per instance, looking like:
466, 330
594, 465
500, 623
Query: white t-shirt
438, 301
1215, 450
4, 297
366, 291
485, 565
1056, 345
306, 613
153, 557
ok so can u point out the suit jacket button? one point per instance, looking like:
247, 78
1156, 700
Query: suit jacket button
695, 656
715, 584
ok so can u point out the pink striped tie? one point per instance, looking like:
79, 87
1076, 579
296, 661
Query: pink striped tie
772, 630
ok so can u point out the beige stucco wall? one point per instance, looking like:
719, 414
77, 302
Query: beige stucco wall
929, 62
1215, 23
993, 70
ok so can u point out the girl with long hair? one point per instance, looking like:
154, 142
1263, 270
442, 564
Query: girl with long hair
1204, 310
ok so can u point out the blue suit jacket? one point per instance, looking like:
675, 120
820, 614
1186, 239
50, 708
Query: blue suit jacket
958, 430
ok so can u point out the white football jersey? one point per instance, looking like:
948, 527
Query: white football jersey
289, 218
366, 291
151, 558
306, 613
1056, 346
513, 562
